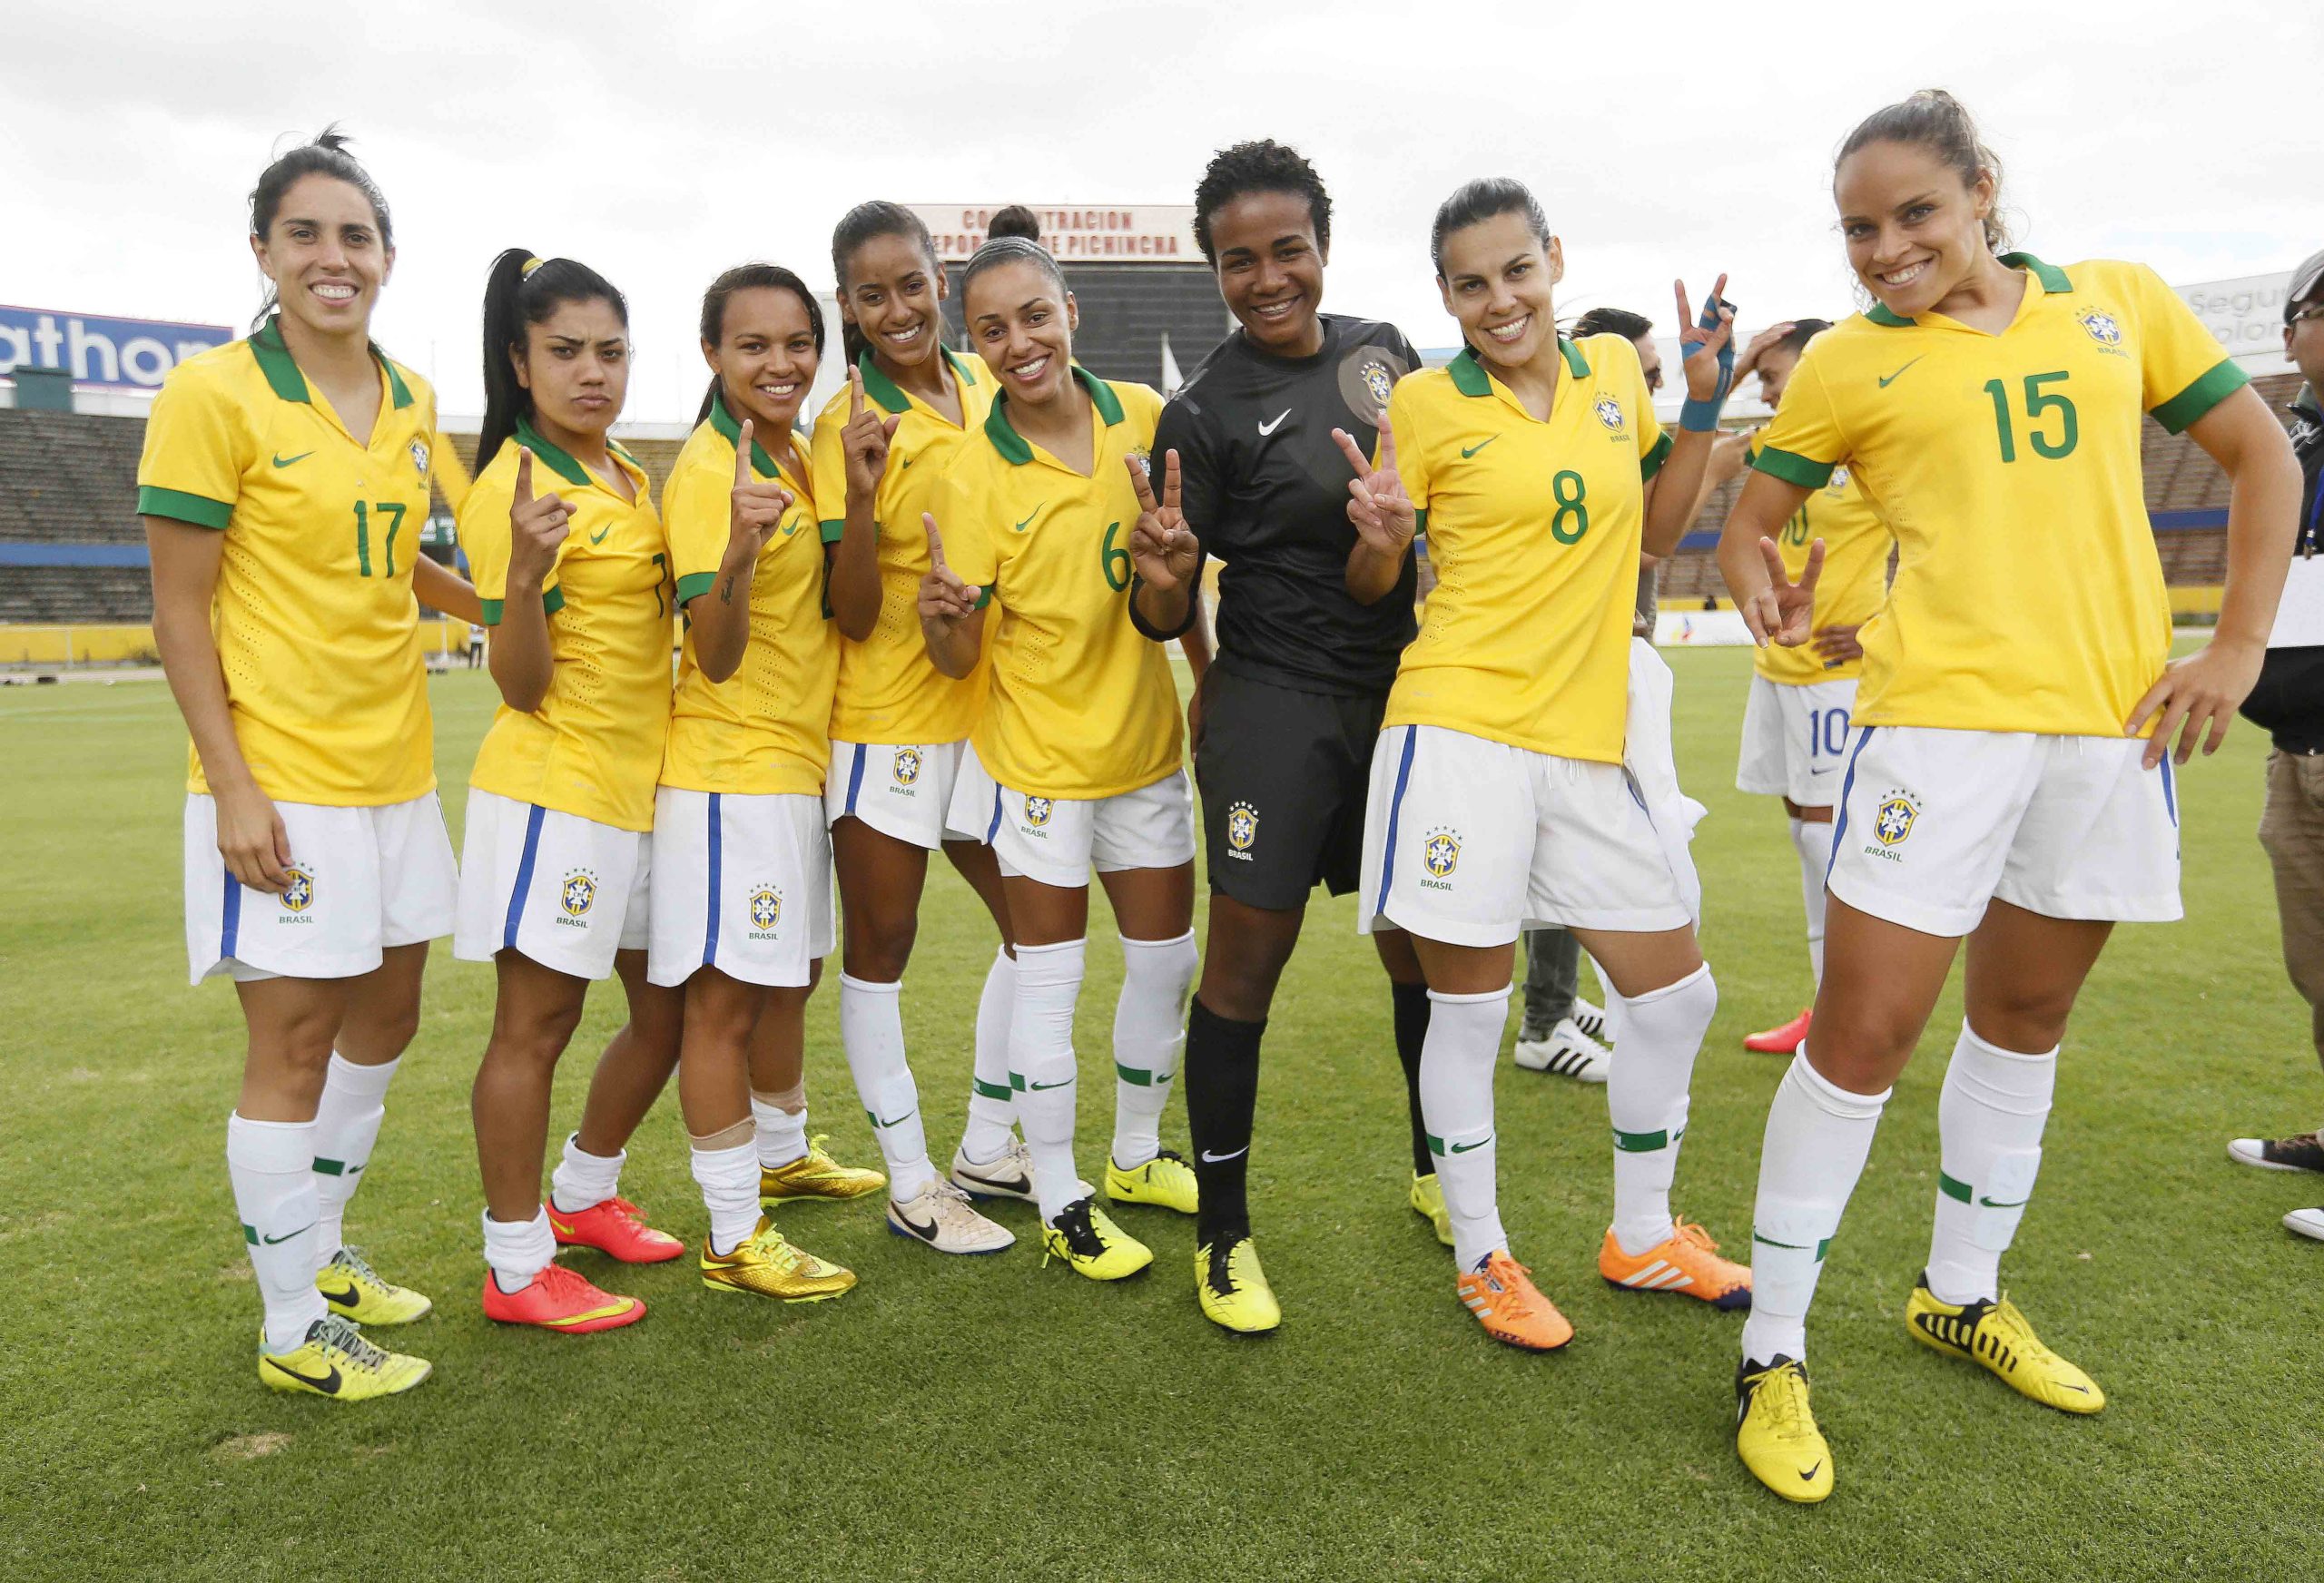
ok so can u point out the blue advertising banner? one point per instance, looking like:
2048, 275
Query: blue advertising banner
101, 353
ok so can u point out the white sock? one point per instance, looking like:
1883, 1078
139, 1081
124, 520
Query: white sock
1817, 1137
992, 1109
871, 1029
1812, 839
517, 1250
1990, 1116
271, 1165
583, 1180
1041, 1067
1456, 1063
782, 1134
1149, 1032
347, 1123
729, 1179
1645, 1098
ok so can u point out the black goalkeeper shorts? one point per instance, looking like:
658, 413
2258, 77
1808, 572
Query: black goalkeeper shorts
1283, 775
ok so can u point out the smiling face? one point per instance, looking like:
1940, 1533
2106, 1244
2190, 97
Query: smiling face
1496, 278
1023, 323
892, 291
1270, 270
325, 255
576, 363
764, 357
1915, 230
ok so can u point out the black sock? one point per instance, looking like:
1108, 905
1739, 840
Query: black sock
1412, 1033
1220, 1078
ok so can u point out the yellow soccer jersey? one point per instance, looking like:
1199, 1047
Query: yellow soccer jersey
766, 729
1082, 705
888, 691
594, 747
1534, 528
318, 632
1850, 589
2028, 595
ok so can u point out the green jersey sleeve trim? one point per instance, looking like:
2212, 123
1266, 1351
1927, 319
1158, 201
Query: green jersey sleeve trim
693, 584
1804, 471
492, 609
553, 600
830, 528
1651, 463
2188, 407
984, 596
179, 507
1419, 522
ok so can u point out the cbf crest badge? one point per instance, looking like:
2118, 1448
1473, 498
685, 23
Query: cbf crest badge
1037, 811
1440, 854
1610, 413
907, 766
766, 911
1838, 484
1242, 827
2103, 328
1376, 381
578, 893
420, 458
298, 889
1892, 820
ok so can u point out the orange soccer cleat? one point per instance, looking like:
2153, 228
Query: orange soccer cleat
1685, 1262
558, 1299
1501, 1294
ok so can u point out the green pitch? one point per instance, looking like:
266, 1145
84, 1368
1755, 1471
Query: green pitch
990, 1419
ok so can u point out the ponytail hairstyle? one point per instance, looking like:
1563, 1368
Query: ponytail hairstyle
519, 292
744, 277
1011, 250
326, 155
859, 225
1486, 198
1014, 221
1934, 120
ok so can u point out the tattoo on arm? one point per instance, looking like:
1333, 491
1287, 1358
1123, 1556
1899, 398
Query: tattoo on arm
727, 590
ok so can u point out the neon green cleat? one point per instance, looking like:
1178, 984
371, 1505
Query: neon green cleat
1995, 1336
1427, 1200
1166, 1181
1232, 1289
356, 1291
336, 1361
1776, 1433
1092, 1245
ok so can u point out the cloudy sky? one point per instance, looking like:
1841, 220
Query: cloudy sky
661, 144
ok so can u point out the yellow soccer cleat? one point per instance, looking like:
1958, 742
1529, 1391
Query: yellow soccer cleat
1776, 1433
335, 1361
1997, 1336
1166, 1181
815, 1175
764, 1265
1092, 1245
1427, 1200
355, 1290
1232, 1289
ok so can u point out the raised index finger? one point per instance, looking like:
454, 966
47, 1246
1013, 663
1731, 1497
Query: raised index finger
524, 477
1171, 479
1352, 452
854, 392
743, 454
1685, 313
935, 541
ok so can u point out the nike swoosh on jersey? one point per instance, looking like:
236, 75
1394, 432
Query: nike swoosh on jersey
1467, 451
599, 536
1036, 511
1268, 428
1885, 379
283, 461
1210, 1159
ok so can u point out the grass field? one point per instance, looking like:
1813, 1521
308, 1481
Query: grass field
959, 1419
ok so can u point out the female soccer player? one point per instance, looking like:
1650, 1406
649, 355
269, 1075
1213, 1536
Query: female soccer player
1499, 792
317, 866
569, 558
897, 726
1289, 719
741, 891
2008, 777
1075, 756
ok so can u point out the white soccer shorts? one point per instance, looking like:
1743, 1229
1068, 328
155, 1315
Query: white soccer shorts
1467, 840
1059, 841
743, 884
898, 789
566, 891
1932, 824
361, 880
1796, 740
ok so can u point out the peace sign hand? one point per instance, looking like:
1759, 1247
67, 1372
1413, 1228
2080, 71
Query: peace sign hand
537, 527
1781, 612
1707, 348
1163, 549
755, 509
864, 439
944, 600
1378, 505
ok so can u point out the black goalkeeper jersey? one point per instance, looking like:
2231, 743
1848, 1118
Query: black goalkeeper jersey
1265, 488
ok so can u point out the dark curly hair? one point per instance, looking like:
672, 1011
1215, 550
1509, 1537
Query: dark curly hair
1262, 166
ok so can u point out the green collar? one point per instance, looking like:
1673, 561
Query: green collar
2053, 281
281, 369
724, 422
1470, 378
561, 462
1013, 446
887, 394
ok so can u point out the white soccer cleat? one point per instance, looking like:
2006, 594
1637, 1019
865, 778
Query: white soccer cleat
2307, 1223
940, 1215
1009, 1176
1568, 1052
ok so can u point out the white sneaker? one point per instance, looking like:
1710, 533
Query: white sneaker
940, 1215
2307, 1223
1568, 1051
1590, 1019
1009, 1176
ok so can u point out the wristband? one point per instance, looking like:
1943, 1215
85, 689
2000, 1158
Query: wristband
1702, 416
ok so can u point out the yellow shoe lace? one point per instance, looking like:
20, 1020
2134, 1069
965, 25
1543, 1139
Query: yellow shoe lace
2012, 1323
769, 1246
1779, 1396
